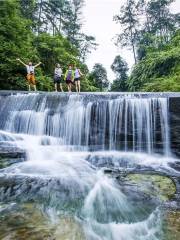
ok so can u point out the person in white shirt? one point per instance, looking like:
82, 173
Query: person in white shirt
58, 77
30, 73
77, 79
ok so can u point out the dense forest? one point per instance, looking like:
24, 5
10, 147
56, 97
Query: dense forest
50, 31
151, 30
43, 30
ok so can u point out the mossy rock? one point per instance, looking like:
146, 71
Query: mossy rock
28, 222
157, 186
171, 225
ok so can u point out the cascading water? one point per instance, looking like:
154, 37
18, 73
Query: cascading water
117, 124
69, 140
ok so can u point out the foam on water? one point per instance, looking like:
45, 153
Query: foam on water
64, 170
149, 229
128, 124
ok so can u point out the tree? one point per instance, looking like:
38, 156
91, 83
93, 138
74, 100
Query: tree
159, 70
128, 19
15, 41
55, 49
72, 24
18, 38
28, 9
159, 27
120, 68
99, 77
146, 41
146, 25
161, 21
87, 44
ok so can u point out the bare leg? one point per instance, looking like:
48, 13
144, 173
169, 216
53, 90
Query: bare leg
35, 89
29, 87
61, 87
79, 86
55, 86
76, 84
69, 87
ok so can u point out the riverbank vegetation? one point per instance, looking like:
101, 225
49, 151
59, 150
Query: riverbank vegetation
50, 31
151, 30
46, 31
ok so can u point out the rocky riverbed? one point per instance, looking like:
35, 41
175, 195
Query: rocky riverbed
89, 166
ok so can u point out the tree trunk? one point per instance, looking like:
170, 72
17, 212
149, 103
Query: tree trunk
39, 17
134, 53
133, 47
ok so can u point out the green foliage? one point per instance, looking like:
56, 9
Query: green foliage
28, 9
62, 17
160, 70
99, 77
55, 49
160, 21
18, 40
154, 44
120, 68
128, 19
154, 32
44, 83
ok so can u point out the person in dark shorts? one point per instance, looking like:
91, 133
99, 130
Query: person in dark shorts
69, 78
58, 77
77, 78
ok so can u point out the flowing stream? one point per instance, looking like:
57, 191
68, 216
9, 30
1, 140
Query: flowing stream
70, 142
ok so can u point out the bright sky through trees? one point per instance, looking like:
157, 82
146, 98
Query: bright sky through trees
98, 16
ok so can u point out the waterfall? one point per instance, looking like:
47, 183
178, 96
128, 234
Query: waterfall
69, 141
125, 123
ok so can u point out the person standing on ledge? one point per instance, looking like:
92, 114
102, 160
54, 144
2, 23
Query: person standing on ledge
58, 77
69, 78
30, 73
77, 78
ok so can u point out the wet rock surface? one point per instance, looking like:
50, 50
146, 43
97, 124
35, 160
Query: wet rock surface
46, 191
27, 222
43, 194
148, 183
171, 225
11, 155
160, 187
174, 118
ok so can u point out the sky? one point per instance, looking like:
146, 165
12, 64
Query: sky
98, 22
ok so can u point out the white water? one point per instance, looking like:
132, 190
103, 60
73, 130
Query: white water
128, 124
57, 138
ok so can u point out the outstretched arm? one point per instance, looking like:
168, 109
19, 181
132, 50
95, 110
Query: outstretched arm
19, 60
37, 65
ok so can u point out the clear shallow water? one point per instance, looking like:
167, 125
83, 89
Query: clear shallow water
61, 189
63, 183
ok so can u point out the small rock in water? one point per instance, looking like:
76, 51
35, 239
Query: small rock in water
160, 187
11, 155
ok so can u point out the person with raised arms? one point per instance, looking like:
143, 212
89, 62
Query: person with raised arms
30, 73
